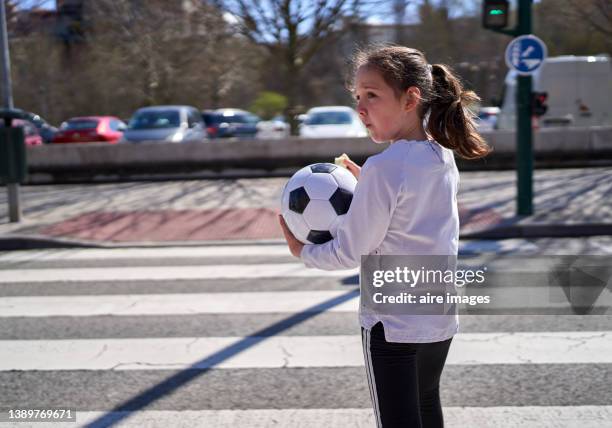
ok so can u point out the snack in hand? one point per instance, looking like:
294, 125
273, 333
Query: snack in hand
340, 160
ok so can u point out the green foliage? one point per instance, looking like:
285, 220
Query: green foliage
269, 104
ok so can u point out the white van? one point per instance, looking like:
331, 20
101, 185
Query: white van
579, 92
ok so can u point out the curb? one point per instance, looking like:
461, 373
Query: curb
578, 230
32, 242
39, 242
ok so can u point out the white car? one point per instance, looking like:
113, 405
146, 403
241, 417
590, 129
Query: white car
332, 122
273, 129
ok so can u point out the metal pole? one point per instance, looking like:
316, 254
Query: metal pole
12, 188
524, 131
6, 59
14, 201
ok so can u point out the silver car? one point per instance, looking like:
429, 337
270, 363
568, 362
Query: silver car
170, 124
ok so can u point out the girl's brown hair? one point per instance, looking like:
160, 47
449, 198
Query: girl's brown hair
443, 99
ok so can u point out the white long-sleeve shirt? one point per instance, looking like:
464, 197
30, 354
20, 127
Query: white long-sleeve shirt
405, 203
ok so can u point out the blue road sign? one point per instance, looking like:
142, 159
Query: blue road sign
525, 54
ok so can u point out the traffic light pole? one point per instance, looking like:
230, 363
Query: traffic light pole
524, 131
495, 18
12, 188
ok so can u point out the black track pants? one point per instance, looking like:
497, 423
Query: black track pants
404, 380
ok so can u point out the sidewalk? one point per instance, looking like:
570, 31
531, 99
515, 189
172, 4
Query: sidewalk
567, 203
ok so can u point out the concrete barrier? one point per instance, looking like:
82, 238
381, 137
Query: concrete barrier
217, 155
560, 141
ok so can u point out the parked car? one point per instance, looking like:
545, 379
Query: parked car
90, 129
172, 124
332, 122
230, 122
275, 128
44, 129
487, 118
32, 137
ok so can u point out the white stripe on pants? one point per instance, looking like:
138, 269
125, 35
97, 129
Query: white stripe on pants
365, 338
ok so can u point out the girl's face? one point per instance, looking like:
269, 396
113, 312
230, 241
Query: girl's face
387, 117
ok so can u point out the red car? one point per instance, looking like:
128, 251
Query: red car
90, 129
32, 137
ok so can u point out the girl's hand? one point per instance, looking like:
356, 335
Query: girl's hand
295, 246
352, 167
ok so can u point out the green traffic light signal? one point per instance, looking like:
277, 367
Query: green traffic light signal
495, 14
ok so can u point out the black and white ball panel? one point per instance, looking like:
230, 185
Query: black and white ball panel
321, 186
341, 200
323, 167
298, 179
298, 200
319, 236
344, 179
319, 214
297, 225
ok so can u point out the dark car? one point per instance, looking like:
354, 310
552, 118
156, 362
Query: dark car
230, 122
45, 130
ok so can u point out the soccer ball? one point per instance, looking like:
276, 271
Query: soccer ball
315, 200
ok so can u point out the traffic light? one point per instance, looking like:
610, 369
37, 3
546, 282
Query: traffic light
538, 103
495, 14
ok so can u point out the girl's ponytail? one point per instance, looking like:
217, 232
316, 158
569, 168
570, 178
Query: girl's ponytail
450, 123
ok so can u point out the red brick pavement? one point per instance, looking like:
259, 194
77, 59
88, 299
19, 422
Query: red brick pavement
478, 219
187, 225
202, 225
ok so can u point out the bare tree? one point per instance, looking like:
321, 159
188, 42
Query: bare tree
133, 53
596, 13
34, 56
292, 32
148, 36
37, 81
173, 52
584, 29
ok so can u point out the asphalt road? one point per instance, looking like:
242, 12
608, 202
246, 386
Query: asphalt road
269, 363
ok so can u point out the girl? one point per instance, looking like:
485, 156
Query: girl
405, 203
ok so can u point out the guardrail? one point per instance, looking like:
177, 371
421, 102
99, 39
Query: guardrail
83, 159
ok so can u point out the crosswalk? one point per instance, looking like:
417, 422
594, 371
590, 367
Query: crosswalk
244, 336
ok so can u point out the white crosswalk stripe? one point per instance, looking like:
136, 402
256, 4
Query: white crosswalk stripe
271, 376
168, 304
217, 251
289, 270
333, 351
524, 417
234, 302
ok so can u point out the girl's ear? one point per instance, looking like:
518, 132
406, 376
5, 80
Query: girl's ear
413, 97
